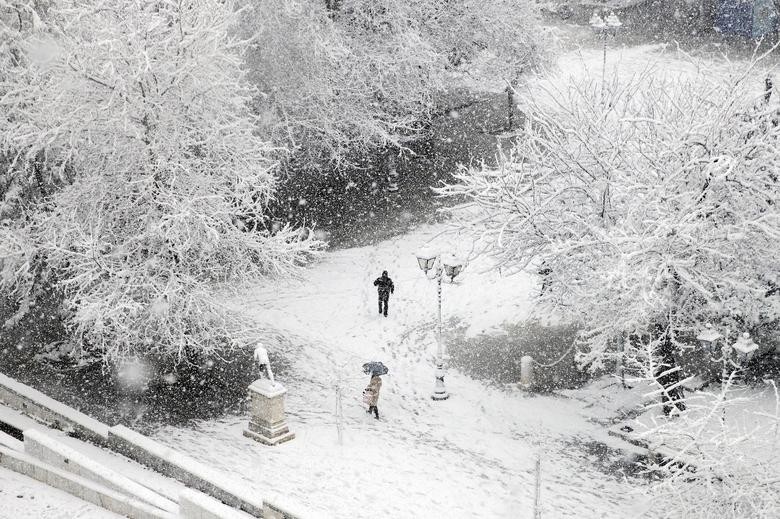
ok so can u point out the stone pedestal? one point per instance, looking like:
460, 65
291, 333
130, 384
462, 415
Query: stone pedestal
267, 423
526, 371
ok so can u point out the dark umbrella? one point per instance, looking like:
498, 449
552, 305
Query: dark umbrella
375, 368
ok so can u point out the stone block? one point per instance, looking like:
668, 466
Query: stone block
268, 423
196, 505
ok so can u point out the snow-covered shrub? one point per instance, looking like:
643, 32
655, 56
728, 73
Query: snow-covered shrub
720, 455
142, 110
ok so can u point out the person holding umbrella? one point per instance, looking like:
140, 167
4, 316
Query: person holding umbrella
371, 393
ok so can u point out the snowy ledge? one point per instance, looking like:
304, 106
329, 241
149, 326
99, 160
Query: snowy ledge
79, 486
197, 504
179, 466
50, 412
196, 475
47, 449
10, 442
267, 388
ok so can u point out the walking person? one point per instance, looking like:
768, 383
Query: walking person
384, 287
372, 394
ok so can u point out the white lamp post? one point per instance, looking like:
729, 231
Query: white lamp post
430, 260
605, 27
708, 339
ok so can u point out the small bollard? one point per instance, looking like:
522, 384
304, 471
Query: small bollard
526, 371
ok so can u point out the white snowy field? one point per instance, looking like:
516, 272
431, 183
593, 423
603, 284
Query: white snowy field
581, 59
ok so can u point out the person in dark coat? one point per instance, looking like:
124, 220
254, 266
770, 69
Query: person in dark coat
384, 287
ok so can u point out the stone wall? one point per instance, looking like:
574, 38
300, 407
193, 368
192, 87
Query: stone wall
196, 505
145, 451
47, 449
181, 467
50, 412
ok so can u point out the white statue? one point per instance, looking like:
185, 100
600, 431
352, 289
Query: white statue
263, 362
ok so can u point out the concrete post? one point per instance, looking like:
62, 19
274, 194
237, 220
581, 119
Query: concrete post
268, 423
526, 371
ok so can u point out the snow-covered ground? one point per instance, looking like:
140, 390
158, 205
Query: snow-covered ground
470, 456
23, 497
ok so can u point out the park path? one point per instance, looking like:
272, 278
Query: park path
470, 456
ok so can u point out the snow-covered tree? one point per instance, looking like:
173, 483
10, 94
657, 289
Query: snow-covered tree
648, 208
339, 80
141, 111
22, 178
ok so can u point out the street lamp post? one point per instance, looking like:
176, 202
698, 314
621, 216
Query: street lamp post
430, 260
605, 27
708, 338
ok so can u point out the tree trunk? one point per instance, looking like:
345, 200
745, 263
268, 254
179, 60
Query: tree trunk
668, 375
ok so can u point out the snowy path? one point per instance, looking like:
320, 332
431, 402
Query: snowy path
470, 456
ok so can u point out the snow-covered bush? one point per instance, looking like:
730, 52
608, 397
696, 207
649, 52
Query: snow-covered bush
720, 456
140, 111
649, 207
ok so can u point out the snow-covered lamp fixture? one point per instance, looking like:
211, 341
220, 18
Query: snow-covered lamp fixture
597, 22
708, 338
452, 268
613, 22
745, 347
426, 258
